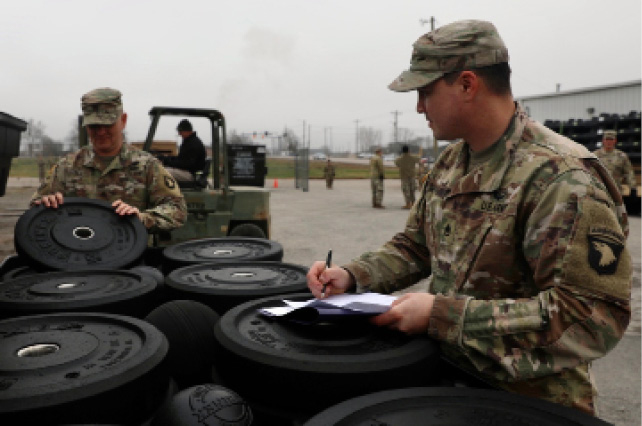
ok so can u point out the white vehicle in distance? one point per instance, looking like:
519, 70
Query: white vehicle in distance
319, 156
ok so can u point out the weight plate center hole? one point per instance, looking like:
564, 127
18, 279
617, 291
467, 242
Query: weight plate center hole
221, 252
243, 274
40, 349
66, 286
83, 233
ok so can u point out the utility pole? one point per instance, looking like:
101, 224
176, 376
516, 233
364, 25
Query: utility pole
356, 146
396, 114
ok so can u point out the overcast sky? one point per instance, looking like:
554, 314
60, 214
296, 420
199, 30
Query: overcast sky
271, 64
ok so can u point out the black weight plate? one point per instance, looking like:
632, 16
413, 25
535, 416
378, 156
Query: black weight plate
450, 407
121, 292
18, 272
225, 285
314, 366
223, 250
79, 368
80, 234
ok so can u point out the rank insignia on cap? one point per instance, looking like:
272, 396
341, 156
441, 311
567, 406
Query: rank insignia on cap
605, 247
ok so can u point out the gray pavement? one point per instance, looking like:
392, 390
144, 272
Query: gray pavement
307, 224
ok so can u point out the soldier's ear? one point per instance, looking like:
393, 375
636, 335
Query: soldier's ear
123, 119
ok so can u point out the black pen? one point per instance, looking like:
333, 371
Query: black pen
328, 260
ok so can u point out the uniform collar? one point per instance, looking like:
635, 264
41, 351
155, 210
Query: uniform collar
488, 176
123, 159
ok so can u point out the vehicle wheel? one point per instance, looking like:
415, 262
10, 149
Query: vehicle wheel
247, 230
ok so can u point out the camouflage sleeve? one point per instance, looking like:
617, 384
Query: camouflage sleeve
53, 182
399, 263
574, 246
166, 207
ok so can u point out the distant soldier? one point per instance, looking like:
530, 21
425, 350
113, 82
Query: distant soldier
328, 174
616, 161
376, 179
134, 181
406, 163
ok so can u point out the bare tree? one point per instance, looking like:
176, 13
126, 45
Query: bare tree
368, 138
33, 137
405, 135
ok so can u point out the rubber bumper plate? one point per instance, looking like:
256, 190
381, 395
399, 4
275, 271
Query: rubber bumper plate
311, 367
75, 368
119, 292
450, 407
225, 285
232, 249
80, 234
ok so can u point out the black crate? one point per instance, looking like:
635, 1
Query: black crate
246, 164
11, 129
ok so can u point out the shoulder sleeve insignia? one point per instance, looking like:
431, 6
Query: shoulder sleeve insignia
605, 248
170, 182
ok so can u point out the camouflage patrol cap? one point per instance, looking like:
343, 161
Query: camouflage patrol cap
453, 47
101, 106
609, 134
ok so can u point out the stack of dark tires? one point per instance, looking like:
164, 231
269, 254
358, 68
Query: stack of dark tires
94, 334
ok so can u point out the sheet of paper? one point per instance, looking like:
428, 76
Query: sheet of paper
370, 303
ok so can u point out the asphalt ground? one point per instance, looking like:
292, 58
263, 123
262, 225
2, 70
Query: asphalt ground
310, 223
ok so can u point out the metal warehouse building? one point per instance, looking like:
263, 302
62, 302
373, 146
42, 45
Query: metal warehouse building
584, 103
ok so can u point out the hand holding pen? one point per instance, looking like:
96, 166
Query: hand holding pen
328, 261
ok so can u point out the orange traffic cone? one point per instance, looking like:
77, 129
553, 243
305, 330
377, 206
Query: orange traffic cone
276, 183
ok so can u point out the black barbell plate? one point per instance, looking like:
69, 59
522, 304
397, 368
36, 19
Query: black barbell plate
232, 249
311, 367
450, 407
75, 368
80, 234
120, 292
225, 285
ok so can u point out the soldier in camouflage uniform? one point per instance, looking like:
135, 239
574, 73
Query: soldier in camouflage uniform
521, 231
376, 179
328, 174
616, 161
406, 163
133, 180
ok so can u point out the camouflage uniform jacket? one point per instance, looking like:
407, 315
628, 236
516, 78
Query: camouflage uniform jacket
406, 164
328, 172
527, 259
376, 167
133, 176
618, 163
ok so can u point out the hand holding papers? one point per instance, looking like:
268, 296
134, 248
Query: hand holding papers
332, 308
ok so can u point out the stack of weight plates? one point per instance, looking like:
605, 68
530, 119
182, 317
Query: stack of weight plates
81, 368
450, 407
72, 259
291, 371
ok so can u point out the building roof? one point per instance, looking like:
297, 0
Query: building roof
583, 90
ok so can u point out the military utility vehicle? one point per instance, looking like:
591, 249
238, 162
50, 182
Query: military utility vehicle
215, 209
